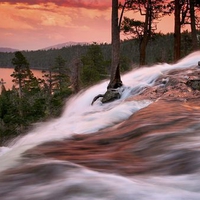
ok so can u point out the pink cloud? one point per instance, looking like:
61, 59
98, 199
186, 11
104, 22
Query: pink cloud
35, 26
89, 4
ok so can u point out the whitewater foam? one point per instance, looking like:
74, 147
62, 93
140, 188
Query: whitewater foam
80, 117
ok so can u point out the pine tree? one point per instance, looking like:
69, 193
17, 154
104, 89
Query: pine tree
93, 62
22, 73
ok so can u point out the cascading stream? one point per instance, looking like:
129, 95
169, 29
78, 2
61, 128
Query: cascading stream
80, 117
65, 180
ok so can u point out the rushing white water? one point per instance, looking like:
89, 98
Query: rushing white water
79, 183
79, 116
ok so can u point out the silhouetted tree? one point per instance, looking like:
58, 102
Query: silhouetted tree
193, 25
93, 65
143, 30
21, 71
60, 74
177, 31
3, 88
115, 78
75, 74
192, 19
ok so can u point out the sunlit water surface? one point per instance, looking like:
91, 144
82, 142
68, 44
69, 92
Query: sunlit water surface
70, 181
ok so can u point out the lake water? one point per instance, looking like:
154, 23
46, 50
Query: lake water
6, 72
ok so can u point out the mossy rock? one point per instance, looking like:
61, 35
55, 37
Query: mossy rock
110, 95
194, 84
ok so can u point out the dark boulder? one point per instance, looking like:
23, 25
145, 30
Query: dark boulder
194, 84
109, 96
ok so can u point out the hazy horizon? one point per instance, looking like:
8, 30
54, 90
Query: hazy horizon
37, 24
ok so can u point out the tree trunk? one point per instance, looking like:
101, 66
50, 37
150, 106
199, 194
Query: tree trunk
193, 26
20, 88
75, 75
147, 32
115, 79
177, 32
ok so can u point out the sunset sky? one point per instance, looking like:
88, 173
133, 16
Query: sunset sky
36, 24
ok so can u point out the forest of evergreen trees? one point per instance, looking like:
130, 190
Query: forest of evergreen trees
37, 99
44, 59
65, 72
68, 70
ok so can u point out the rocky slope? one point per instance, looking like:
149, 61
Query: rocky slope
150, 141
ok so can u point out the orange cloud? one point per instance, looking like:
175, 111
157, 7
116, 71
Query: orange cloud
38, 24
89, 4
34, 26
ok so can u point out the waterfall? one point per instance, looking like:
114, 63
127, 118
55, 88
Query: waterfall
80, 117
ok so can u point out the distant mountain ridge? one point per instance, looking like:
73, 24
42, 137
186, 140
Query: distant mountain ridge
66, 44
7, 50
57, 46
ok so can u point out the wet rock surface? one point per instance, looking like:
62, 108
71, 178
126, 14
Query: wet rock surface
179, 85
146, 143
140, 158
149, 142
109, 96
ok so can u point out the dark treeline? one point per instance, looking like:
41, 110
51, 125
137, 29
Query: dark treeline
68, 70
31, 99
184, 13
159, 49
65, 72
